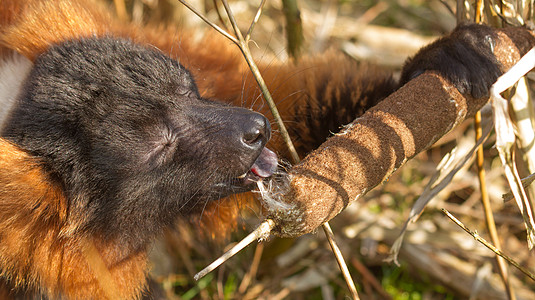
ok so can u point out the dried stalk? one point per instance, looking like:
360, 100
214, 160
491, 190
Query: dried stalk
261, 232
294, 28
489, 216
526, 181
255, 20
497, 251
120, 9
485, 200
219, 16
367, 276
505, 138
340, 260
217, 28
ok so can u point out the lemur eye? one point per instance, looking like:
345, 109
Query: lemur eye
181, 89
187, 93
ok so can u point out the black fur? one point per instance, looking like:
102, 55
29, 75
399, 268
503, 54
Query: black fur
465, 58
124, 130
339, 104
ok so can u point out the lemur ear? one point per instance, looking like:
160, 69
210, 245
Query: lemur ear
26, 32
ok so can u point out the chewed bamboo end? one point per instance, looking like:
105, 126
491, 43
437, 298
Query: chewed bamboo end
273, 192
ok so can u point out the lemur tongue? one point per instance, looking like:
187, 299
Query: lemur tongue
265, 164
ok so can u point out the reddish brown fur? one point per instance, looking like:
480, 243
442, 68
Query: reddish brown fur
42, 23
40, 248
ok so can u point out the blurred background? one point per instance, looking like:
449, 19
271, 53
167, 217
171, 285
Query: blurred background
437, 259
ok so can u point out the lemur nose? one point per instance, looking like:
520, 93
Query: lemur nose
255, 130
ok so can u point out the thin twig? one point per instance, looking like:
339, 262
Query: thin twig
526, 181
255, 20
448, 7
478, 238
261, 232
340, 260
217, 28
219, 16
232, 20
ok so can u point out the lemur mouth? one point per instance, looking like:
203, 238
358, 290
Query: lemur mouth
264, 166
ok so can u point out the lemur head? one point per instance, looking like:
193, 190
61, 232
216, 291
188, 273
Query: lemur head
124, 130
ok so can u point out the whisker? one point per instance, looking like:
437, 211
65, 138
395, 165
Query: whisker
199, 188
